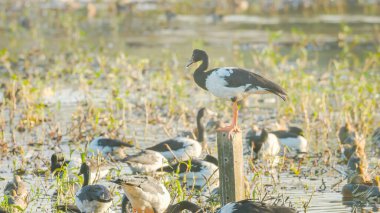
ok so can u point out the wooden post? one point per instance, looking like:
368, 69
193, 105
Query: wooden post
231, 180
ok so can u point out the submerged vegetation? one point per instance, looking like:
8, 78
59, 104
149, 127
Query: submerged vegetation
71, 72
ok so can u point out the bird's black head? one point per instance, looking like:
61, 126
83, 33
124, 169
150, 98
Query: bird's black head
84, 169
54, 159
198, 55
201, 112
296, 130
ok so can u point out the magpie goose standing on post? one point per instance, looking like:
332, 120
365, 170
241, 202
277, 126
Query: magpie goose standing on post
183, 148
231, 83
92, 198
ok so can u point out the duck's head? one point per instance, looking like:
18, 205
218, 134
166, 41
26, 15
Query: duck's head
198, 55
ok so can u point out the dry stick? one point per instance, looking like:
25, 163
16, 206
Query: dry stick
170, 150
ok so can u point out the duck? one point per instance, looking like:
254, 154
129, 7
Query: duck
146, 161
17, 192
183, 148
347, 134
198, 173
251, 206
294, 139
145, 193
358, 157
263, 143
231, 83
108, 147
92, 198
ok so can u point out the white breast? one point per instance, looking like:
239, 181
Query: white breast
271, 146
216, 84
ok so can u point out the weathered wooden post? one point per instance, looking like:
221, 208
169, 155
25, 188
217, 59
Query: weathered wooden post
231, 180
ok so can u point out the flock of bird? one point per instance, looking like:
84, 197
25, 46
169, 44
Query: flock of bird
182, 156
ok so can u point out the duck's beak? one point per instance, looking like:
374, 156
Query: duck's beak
191, 61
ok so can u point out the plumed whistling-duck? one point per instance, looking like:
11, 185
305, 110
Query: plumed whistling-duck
145, 193
16, 192
146, 161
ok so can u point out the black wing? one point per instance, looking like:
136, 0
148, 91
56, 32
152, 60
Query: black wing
284, 134
143, 157
163, 146
239, 77
113, 142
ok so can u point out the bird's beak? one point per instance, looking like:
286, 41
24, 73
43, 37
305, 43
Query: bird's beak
191, 61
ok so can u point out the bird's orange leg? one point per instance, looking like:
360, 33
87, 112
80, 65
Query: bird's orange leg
233, 128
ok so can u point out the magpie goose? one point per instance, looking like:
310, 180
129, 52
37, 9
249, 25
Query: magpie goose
197, 173
263, 143
231, 83
293, 138
145, 193
183, 148
92, 198
108, 147
250, 206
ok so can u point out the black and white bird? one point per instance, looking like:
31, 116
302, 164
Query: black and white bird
92, 198
251, 206
145, 193
146, 161
16, 192
108, 147
183, 148
198, 173
264, 144
231, 83
293, 139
